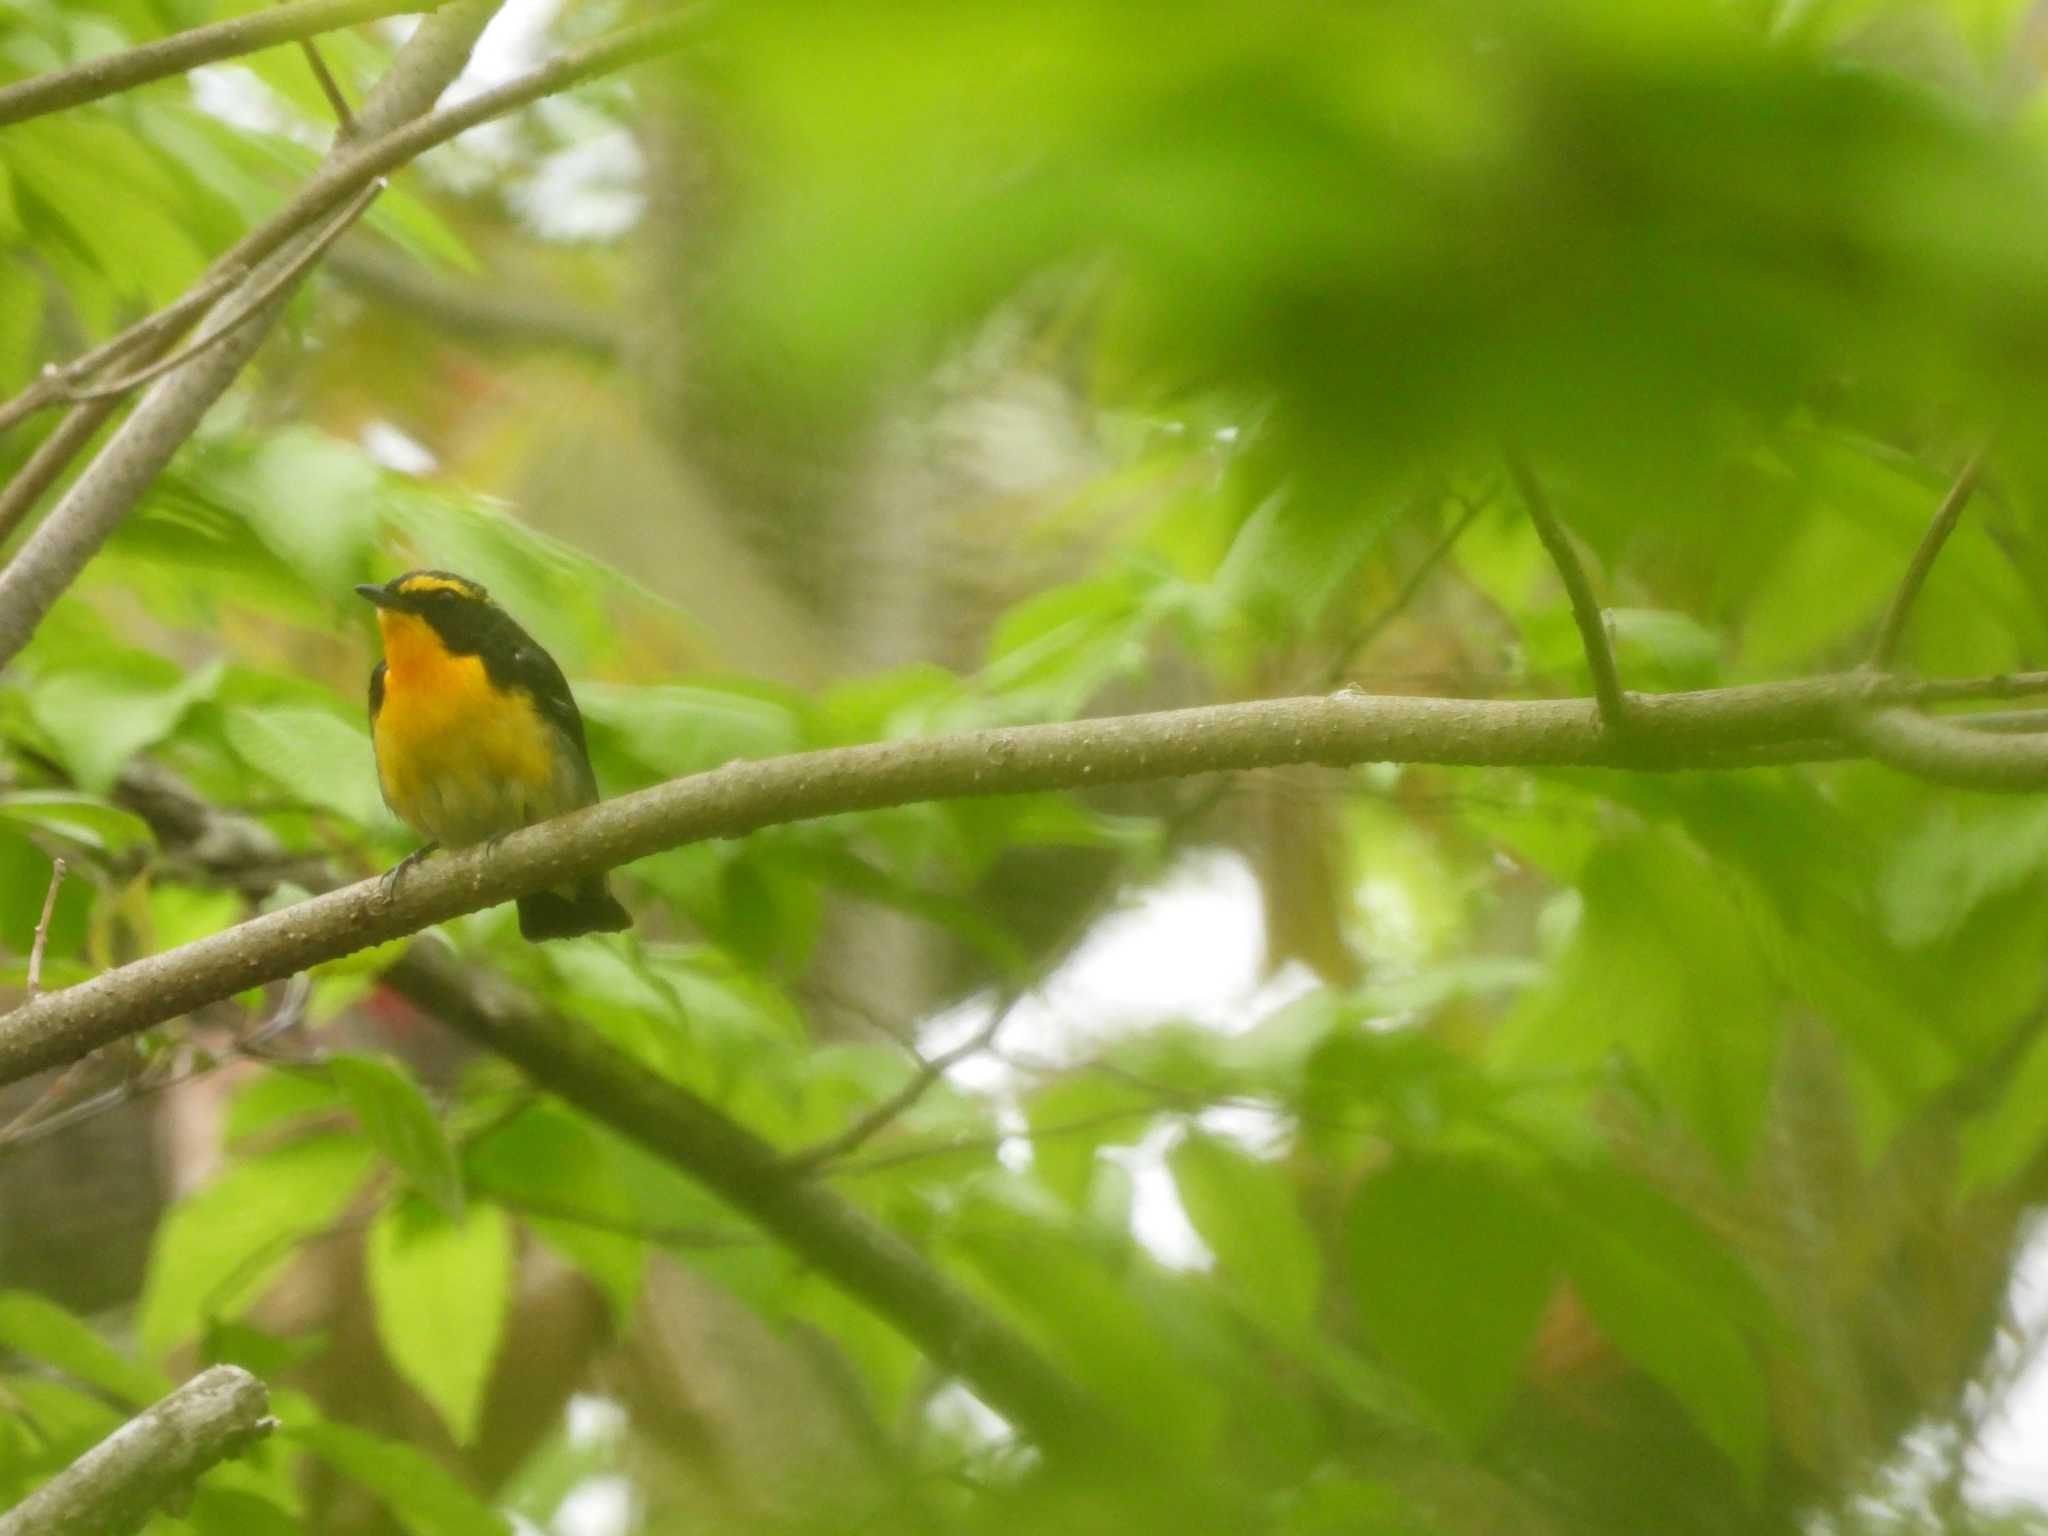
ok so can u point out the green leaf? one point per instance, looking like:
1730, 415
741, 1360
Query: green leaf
237, 1512
1245, 1210
420, 1494
312, 500
1678, 1304
1074, 1117
99, 716
442, 1289
313, 756
83, 819
269, 1099
2001, 1144
1658, 648
1961, 856
1668, 969
1451, 1266
395, 1115
675, 729
1092, 1315
34, 1326
218, 1245
550, 1160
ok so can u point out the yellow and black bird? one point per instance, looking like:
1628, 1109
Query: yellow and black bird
477, 735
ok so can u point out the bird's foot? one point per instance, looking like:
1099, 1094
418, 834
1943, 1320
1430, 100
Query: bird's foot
397, 872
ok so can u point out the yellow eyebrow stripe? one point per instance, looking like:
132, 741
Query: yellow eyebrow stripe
420, 584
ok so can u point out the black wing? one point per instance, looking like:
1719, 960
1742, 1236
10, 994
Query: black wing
376, 691
516, 660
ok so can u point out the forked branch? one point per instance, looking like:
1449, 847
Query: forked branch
1586, 610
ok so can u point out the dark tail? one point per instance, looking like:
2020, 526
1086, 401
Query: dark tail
552, 915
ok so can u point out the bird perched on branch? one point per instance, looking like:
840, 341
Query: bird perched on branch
477, 735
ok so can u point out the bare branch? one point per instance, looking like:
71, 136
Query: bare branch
863, 1257
95, 504
285, 275
35, 949
1948, 752
57, 379
114, 1487
1586, 610
1410, 590
159, 1071
1667, 731
1893, 627
345, 120
113, 73
891, 1109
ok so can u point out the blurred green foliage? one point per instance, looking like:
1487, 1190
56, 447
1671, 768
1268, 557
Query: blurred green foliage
1660, 1156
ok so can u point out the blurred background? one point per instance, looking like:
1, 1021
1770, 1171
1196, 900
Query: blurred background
1399, 1149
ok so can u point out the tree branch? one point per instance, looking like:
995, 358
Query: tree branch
1586, 610
95, 504
851, 1249
1410, 589
55, 379
904, 1099
861, 1255
1667, 731
1943, 752
113, 73
1893, 627
53, 555
285, 275
112, 1488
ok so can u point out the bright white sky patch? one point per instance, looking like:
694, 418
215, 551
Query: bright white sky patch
396, 449
2011, 1464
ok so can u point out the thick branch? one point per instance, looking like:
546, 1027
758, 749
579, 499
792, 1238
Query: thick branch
845, 1245
1942, 753
859, 1254
1893, 627
1674, 731
113, 1488
115, 72
1586, 611
50, 559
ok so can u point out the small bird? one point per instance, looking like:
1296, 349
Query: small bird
477, 735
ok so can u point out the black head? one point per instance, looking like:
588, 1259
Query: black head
425, 592
459, 610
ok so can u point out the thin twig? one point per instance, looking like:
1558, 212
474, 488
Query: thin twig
1411, 589
112, 73
46, 466
51, 558
1893, 627
35, 951
1586, 610
247, 310
345, 119
328, 185
815, 1157
993, 1140
160, 1071
55, 382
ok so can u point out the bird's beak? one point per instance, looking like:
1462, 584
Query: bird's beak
377, 595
